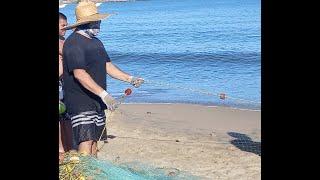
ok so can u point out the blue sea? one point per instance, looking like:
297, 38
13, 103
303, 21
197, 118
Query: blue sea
188, 51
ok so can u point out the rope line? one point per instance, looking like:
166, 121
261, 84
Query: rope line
222, 96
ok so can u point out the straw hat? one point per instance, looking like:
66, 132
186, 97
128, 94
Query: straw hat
86, 12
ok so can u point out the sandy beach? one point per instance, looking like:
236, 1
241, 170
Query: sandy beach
207, 142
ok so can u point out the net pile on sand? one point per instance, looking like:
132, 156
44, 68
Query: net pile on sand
84, 167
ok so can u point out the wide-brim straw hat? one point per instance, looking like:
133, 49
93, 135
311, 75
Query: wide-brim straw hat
86, 12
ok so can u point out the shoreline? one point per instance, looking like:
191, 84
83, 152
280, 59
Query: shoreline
200, 104
95, 1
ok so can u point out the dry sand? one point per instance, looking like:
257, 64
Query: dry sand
208, 142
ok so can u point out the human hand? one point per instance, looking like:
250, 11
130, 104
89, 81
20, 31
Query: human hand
136, 81
108, 100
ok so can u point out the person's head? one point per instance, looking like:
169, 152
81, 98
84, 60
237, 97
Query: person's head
62, 23
88, 18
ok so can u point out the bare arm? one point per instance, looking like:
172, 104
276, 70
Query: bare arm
86, 81
60, 65
116, 73
60, 57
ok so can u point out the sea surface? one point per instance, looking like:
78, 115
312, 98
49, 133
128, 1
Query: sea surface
188, 51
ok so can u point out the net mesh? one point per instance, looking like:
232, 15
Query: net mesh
84, 167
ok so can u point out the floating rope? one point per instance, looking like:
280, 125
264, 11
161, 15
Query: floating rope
222, 96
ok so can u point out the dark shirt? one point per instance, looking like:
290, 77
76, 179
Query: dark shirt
80, 52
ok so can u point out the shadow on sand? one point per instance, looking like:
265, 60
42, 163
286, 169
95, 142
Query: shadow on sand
244, 143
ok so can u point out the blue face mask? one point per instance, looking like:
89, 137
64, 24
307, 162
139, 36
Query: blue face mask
92, 28
92, 32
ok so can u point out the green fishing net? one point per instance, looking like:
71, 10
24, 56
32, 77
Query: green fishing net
84, 167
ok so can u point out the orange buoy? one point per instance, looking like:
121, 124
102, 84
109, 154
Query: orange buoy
127, 92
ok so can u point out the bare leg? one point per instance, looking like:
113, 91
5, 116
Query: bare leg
61, 149
85, 147
94, 148
66, 134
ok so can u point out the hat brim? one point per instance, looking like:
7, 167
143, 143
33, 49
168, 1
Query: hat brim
92, 18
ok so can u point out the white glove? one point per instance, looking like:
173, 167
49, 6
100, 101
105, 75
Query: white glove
136, 81
108, 100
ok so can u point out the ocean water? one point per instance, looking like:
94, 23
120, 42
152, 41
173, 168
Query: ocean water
188, 51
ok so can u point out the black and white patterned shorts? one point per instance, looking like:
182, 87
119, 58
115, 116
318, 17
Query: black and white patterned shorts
89, 126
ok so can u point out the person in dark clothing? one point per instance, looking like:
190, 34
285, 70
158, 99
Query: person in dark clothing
86, 65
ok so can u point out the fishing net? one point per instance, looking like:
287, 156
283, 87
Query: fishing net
85, 167
77, 166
